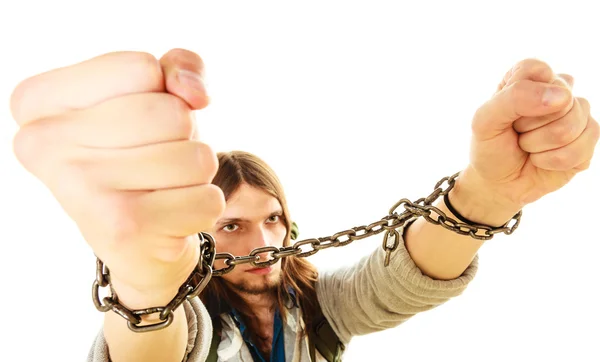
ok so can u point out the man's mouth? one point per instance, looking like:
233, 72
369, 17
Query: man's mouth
260, 271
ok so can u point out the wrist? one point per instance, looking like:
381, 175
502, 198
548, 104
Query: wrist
479, 203
134, 299
164, 287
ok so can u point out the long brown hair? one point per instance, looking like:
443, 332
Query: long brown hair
235, 169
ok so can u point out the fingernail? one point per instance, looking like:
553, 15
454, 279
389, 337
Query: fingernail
191, 79
555, 96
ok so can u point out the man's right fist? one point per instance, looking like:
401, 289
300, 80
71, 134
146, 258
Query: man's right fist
114, 140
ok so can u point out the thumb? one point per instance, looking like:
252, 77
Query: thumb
524, 98
184, 77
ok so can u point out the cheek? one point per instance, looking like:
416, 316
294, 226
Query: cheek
233, 276
279, 233
228, 244
226, 247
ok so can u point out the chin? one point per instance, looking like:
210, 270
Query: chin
259, 284
270, 280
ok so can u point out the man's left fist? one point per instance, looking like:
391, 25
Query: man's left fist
530, 138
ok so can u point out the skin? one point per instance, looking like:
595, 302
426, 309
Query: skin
252, 219
103, 143
524, 146
129, 151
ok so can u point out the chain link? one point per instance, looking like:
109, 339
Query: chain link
393, 224
191, 288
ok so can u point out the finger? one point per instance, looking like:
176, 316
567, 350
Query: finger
558, 133
182, 211
153, 167
526, 124
130, 121
573, 155
85, 84
569, 80
527, 69
184, 77
523, 98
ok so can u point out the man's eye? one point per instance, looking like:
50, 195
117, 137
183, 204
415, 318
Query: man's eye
230, 228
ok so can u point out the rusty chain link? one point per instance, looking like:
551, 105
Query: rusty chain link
393, 224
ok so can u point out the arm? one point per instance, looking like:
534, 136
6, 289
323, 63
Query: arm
432, 266
443, 254
189, 336
513, 162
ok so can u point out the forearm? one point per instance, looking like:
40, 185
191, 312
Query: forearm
443, 254
165, 345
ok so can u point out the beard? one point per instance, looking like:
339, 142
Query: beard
266, 284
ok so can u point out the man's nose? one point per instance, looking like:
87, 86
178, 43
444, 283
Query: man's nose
259, 239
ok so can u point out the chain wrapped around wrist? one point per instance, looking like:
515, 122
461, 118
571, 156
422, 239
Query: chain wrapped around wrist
191, 288
393, 224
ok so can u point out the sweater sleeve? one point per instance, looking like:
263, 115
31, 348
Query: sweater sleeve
199, 335
369, 297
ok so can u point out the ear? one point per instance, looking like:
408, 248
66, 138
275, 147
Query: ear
294, 232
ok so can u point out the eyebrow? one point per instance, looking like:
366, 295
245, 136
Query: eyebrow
235, 220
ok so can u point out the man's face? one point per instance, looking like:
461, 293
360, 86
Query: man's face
252, 219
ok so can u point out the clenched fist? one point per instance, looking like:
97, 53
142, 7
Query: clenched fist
114, 140
530, 139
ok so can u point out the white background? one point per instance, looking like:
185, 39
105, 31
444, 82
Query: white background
355, 105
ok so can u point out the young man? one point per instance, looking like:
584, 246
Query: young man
264, 311
137, 174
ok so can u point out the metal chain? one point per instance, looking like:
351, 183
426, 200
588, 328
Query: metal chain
393, 224
190, 289
390, 223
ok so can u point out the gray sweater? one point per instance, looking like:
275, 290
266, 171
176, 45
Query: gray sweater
359, 299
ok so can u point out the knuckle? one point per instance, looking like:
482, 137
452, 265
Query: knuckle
215, 203
531, 68
477, 125
584, 104
146, 69
16, 100
185, 58
526, 93
211, 200
171, 112
534, 65
559, 160
522, 125
528, 62
521, 88
584, 166
27, 146
208, 160
563, 132
519, 92
564, 79
182, 121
